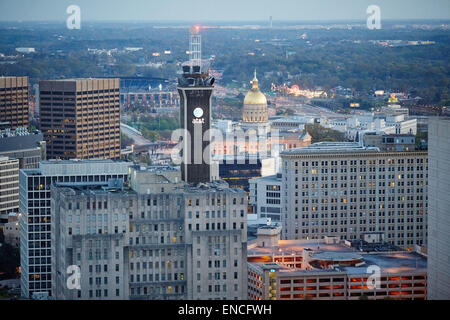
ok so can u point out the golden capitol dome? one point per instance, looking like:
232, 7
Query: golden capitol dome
255, 104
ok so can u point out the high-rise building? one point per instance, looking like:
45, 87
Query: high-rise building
439, 204
80, 118
346, 190
9, 187
14, 101
35, 222
160, 239
195, 88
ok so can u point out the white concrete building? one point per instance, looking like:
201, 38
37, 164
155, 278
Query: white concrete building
369, 121
265, 197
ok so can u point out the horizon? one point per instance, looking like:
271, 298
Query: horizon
217, 10
275, 22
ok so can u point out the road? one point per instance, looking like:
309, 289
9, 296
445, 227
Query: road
138, 139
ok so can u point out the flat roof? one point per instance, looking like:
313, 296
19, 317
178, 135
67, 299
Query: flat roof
391, 262
388, 262
272, 178
289, 247
331, 147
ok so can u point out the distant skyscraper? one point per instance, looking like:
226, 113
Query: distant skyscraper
195, 88
439, 214
14, 101
80, 118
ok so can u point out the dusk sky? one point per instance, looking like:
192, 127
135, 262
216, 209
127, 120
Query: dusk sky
225, 10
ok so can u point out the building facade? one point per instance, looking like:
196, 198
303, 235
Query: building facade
345, 190
11, 230
439, 218
265, 197
35, 204
14, 101
162, 240
389, 142
330, 270
9, 187
80, 118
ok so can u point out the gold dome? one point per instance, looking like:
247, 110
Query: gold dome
255, 105
254, 96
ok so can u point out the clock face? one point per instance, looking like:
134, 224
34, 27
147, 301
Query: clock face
198, 112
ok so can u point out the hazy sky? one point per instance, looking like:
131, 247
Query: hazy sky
202, 10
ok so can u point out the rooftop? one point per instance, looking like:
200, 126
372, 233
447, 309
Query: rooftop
273, 178
214, 186
80, 167
331, 147
156, 168
388, 262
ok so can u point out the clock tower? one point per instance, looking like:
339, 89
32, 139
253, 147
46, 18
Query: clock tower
195, 88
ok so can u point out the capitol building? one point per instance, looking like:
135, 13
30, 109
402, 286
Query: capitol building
255, 106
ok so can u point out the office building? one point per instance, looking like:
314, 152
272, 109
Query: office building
9, 187
439, 204
265, 197
35, 203
14, 101
80, 118
328, 269
344, 190
160, 239
27, 147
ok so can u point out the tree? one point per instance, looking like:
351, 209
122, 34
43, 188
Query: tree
320, 134
9, 261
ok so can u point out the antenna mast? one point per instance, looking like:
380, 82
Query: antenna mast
195, 46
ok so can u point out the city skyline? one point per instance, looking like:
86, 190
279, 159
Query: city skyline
139, 162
